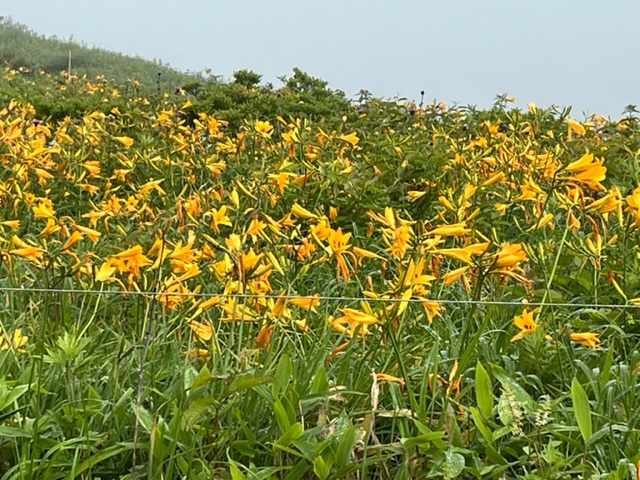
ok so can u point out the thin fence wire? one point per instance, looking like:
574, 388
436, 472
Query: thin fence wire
151, 293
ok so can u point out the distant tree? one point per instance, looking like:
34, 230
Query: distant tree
247, 78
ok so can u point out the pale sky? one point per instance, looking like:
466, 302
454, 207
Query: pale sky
564, 52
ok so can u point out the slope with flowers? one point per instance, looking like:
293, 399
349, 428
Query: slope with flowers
399, 291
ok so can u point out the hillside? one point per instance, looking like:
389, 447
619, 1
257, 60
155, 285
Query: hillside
22, 47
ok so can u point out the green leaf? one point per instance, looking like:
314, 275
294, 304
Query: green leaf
145, 418
195, 412
283, 372
108, 452
203, 377
281, 416
293, 432
298, 470
484, 391
454, 464
10, 395
236, 474
480, 425
421, 440
320, 383
520, 393
320, 468
245, 447
605, 372
345, 446
245, 382
581, 409
13, 432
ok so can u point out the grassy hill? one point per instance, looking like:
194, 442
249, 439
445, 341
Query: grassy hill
43, 81
22, 47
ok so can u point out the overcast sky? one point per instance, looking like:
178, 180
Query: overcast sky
564, 52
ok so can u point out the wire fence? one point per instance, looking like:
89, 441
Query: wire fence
328, 298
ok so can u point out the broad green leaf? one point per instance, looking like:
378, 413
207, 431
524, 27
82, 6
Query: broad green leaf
298, 470
484, 391
480, 425
108, 452
421, 440
10, 395
581, 409
454, 464
195, 412
245, 382
345, 446
293, 432
283, 372
320, 383
605, 373
320, 468
521, 394
12, 432
245, 447
236, 474
203, 377
145, 418
281, 416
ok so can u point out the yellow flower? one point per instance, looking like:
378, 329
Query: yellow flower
126, 141
541, 222
50, 227
234, 242
264, 128
588, 339
351, 138
11, 223
201, 331
453, 275
302, 212
89, 232
198, 352
338, 240
43, 210
16, 342
454, 230
525, 323
400, 241
432, 309
608, 203
356, 316
574, 126
493, 179
456, 253
72, 240
383, 377
308, 303
590, 173
583, 163
264, 335
510, 255
92, 167
281, 180
530, 190
415, 195
220, 217
31, 253
105, 272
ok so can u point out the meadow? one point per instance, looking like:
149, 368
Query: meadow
382, 289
